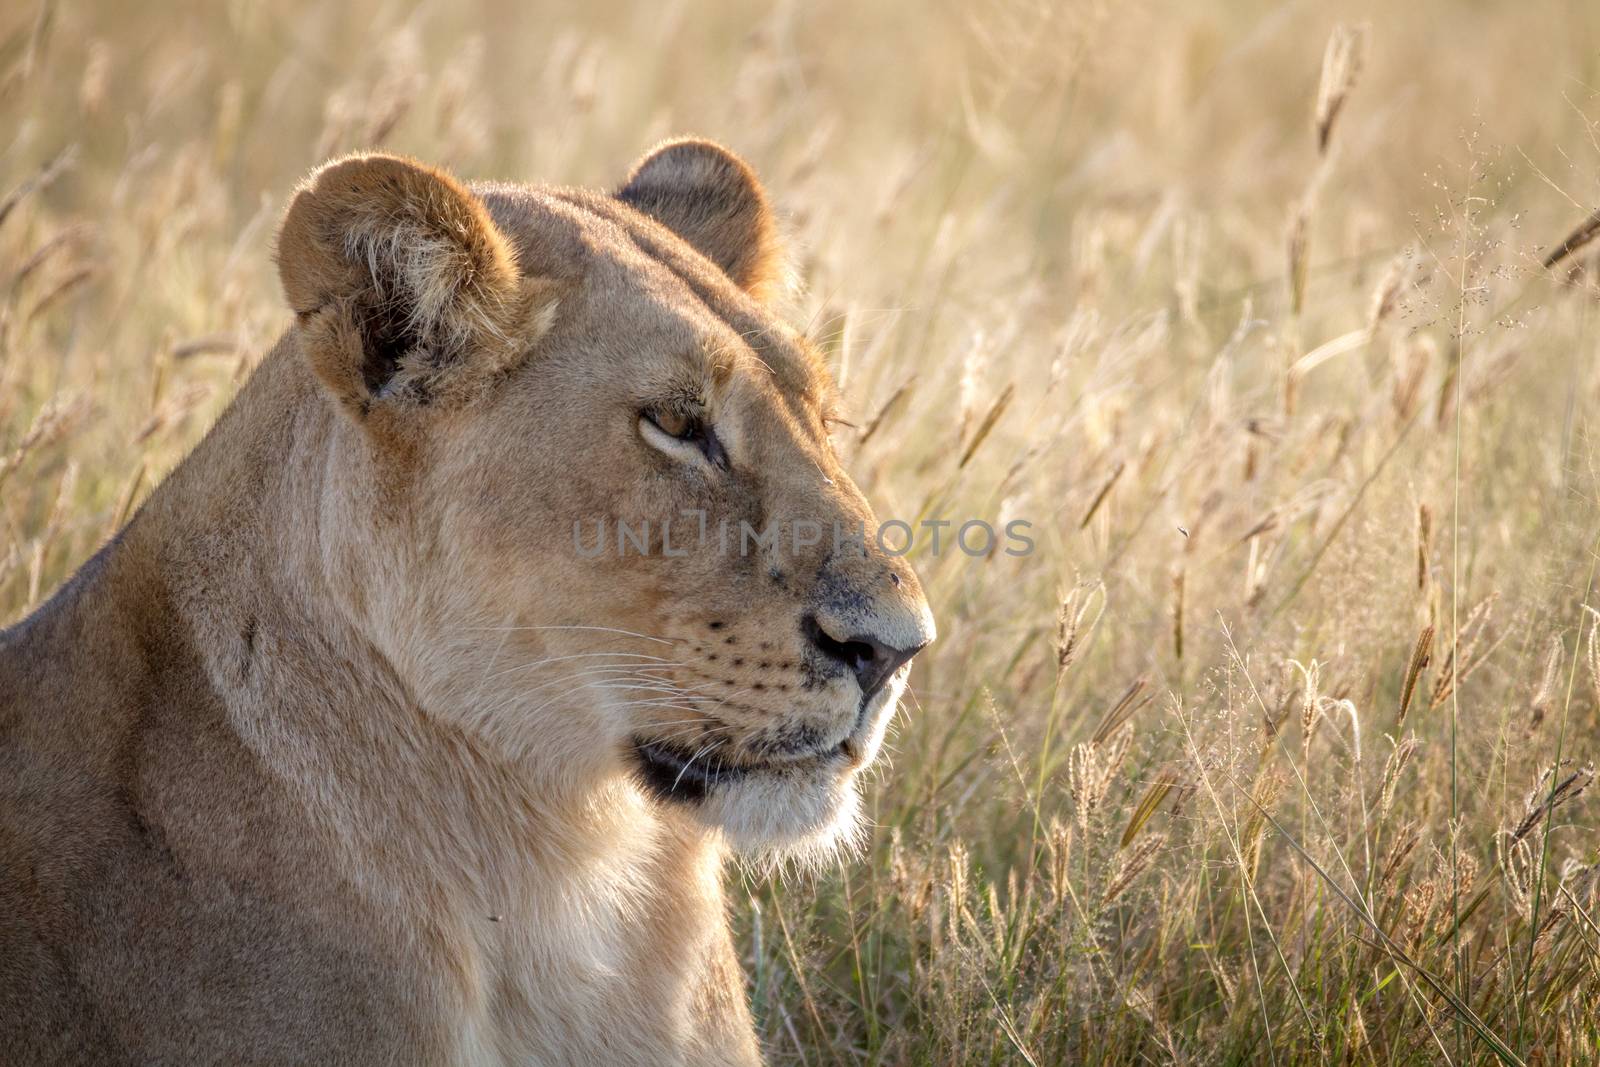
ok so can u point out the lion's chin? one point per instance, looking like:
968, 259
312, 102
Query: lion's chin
767, 819
805, 812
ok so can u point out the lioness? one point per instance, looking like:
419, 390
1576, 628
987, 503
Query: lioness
343, 751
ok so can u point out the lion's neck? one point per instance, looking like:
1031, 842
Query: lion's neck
213, 671
412, 808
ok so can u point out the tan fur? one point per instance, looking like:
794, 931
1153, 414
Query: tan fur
330, 755
713, 200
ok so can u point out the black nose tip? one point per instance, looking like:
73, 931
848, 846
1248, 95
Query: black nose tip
870, 660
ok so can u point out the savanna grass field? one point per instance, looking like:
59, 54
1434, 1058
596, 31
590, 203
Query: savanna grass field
1277, 322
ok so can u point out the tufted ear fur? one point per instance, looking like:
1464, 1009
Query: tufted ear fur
403, 289
712, 199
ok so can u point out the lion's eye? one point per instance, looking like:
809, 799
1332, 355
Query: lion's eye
677, 432
674, 423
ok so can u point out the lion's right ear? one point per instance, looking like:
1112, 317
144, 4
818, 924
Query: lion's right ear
403, 289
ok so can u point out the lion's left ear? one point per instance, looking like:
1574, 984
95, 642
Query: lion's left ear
403, 289
712, 199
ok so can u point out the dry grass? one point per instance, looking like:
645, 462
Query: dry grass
1276, 750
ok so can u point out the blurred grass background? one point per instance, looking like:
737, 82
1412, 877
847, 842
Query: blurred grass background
1276, 750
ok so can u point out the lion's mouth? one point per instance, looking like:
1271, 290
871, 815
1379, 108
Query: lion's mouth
674, 773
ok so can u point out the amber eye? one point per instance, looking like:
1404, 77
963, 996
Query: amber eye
674, 423
673, 431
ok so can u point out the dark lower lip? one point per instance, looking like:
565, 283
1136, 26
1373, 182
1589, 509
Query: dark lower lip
672, 774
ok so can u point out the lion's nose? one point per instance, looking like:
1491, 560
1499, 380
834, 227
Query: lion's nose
870, 660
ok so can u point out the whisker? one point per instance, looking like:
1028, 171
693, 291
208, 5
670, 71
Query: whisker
602, 629
667, 690
576, 655
675, 733
661, 703
488, 667
644, 683
622, 671
690, 762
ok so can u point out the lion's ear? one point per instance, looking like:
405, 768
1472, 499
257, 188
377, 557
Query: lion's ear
403, 289
712, 199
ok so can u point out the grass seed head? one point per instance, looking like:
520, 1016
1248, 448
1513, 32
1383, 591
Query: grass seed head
1421, 653
1342, 60
1392, 769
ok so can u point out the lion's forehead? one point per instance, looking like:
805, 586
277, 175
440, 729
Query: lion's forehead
628, 261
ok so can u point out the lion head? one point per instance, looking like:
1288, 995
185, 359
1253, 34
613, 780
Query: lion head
584, 500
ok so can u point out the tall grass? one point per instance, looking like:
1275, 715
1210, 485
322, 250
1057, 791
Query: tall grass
1277, 749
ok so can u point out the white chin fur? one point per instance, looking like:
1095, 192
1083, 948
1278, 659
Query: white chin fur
806, 818
779, 818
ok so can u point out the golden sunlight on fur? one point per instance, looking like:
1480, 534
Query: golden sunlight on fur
378, 677
341, 752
